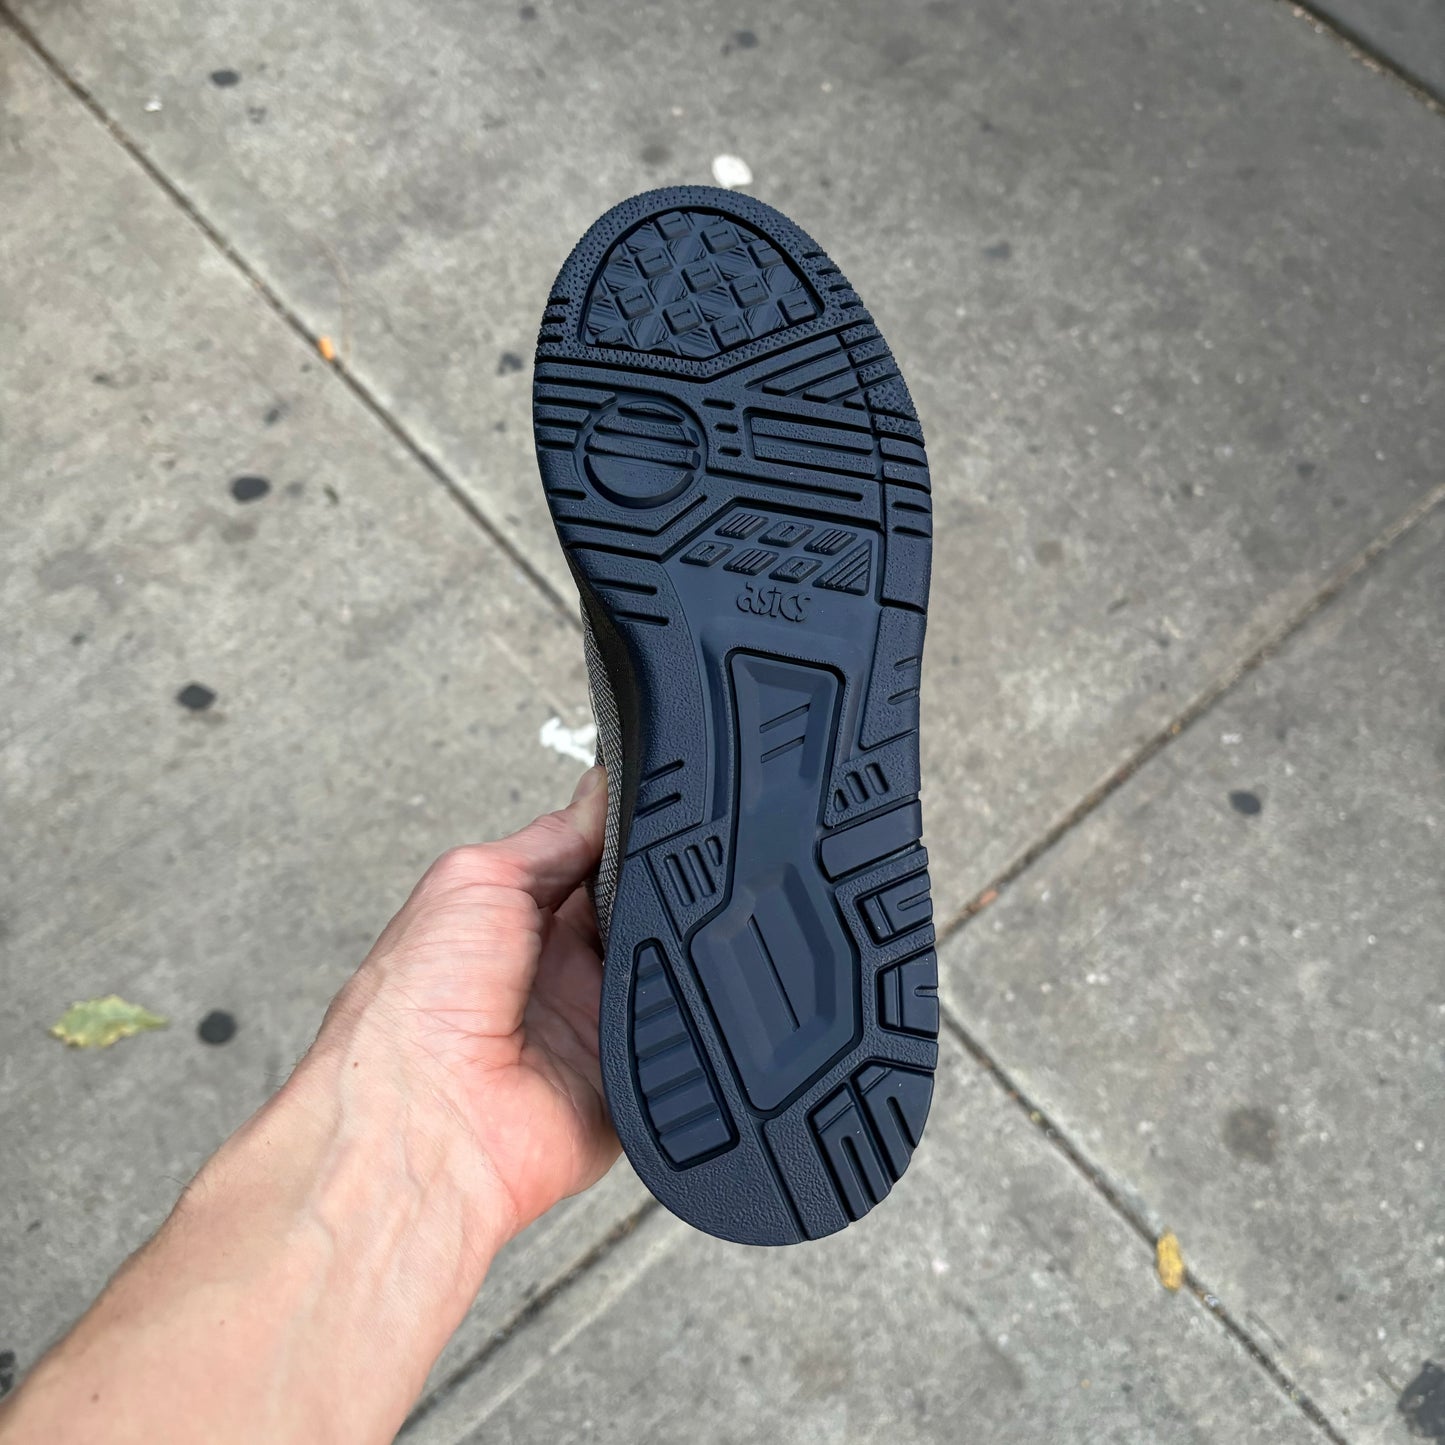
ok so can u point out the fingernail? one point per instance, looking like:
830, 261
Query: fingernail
589, 782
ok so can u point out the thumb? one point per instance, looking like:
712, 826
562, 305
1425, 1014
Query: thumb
555, 853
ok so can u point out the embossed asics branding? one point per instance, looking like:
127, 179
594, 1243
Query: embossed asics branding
772, 602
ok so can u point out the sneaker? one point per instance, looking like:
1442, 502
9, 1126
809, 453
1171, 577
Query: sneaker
737, 477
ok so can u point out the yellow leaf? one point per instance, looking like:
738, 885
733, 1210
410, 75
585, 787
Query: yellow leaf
1169, 1260
98, 1022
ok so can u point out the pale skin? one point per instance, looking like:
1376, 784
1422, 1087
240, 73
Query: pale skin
451, 1097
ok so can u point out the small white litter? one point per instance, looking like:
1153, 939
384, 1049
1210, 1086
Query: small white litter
579, 743
731, 171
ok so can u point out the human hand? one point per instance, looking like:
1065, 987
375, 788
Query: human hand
484, 990
452, 1095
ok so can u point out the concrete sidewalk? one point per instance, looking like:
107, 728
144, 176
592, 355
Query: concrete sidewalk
1167, 283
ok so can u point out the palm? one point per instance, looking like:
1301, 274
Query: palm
535, 1095
493, 970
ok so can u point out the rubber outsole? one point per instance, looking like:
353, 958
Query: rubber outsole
737, 476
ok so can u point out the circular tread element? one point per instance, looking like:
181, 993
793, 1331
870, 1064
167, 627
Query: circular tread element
642, 451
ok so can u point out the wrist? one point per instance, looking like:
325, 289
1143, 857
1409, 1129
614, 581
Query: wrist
386, 1166
347, 1211
361, 1212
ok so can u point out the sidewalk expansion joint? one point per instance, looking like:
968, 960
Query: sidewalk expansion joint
1363, 50
1203, 703
348, 378
1136, 1221
528, 1312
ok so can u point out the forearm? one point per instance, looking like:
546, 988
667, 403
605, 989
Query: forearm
302, 1287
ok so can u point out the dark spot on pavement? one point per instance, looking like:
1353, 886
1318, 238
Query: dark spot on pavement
76, 638
32, 1226
237, 531
1305, 469
526, 12
1422, 1403
7, 1372
274, 413
1067, 316
256, 114
741, 40
509, 361
332, 495
218, 1027
655, 154
103, 378
1250, 1133
196, 697
1360, 134
295, 489
1245, 802
225, 78
249, 489
999, 251
898, 50
1049, 553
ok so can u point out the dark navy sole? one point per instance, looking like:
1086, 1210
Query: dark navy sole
737, 476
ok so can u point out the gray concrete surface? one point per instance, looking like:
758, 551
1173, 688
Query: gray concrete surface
381, 676
1001, 1304
1406, 33
1163, 278
1156, 273
1227, 985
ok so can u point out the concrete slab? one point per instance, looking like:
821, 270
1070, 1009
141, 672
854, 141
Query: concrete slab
1156, 274
380, 676
997, 1297
1409, 34
1226, 986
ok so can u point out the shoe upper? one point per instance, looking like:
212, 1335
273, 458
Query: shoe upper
609, 754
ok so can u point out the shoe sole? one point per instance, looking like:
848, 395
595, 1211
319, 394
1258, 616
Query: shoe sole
737, 477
